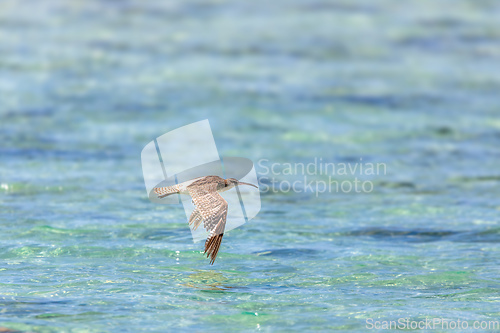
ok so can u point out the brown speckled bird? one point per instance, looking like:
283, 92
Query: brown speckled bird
211, 208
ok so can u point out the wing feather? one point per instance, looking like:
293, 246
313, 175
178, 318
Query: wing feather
195, 219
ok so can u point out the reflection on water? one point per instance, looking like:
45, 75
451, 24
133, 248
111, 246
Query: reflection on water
208, 280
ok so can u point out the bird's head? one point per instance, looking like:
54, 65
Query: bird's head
231, 182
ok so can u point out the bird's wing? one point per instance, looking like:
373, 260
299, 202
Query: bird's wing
213, 209
164, 191
195, 219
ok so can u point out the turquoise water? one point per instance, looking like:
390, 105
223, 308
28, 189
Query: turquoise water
85, 85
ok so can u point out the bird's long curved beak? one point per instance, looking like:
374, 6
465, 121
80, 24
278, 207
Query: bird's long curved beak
242, 183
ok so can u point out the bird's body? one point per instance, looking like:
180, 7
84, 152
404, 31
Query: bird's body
211, 208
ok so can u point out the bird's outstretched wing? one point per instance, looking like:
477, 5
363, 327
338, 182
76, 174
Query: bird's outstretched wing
213, 209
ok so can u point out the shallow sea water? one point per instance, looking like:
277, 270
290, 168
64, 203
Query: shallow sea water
85, 85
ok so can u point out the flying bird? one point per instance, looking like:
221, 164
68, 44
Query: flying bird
211, 208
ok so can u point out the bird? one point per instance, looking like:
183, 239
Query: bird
211, 208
